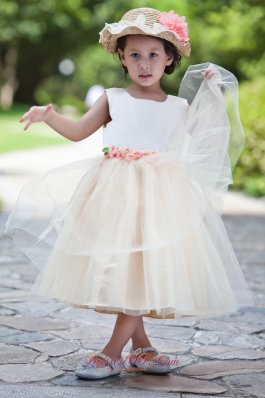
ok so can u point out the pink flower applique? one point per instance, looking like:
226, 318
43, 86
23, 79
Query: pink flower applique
124, 153
176, 23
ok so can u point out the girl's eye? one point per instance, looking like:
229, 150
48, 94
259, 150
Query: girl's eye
153, 55
134, 55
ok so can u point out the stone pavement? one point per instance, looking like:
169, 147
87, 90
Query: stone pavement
41, 339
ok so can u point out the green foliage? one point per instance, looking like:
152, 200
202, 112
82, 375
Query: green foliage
42, 34
94, 66
249, 174
17, 21
32, 20
61, 91
232, 35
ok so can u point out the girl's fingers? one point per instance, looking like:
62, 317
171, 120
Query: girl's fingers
35, 114
209, 73
24, 117
27, 125
49, 107
212, 74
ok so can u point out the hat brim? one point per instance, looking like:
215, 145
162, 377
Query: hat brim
108, 38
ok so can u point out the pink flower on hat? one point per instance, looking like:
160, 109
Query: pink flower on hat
176, 23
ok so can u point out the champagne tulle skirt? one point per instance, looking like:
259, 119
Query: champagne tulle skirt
134, 236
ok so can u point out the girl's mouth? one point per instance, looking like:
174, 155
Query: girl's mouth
144, 76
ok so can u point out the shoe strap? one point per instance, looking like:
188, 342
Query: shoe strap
108, 359
145, 349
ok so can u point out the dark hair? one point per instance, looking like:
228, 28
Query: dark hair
169, 48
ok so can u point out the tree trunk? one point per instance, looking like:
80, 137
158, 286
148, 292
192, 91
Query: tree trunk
9, 82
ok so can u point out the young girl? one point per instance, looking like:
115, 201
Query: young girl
137, 231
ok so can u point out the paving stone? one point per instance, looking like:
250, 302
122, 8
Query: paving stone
163, 345
86, 315
5, 289
41, 358
226, 352
25, 373
243, 340
222, 326
169, 383
180, 360
5, 311
20, 338
15, 283
200, 396
5, 331
68, 362
182, 321
260, 298
34, 323
70, 379
14, 354
38, 391
231, 339
209, 337
4, 271
15, 295
252, 383
95, 344
74, 314
54, 348
12, 274
27, 271
7, 259
255, 316
168, 346
214, 369
34, 308
85, 332
177, 333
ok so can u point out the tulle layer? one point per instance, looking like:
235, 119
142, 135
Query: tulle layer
136, 236
213, 136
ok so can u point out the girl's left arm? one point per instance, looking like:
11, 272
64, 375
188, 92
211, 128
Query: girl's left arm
90, 122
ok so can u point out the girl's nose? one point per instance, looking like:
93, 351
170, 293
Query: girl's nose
144, 66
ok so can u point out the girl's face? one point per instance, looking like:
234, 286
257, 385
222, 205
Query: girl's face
145, 59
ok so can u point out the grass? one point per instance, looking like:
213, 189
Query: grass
13, 137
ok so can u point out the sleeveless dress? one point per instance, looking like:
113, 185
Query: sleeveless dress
137, 229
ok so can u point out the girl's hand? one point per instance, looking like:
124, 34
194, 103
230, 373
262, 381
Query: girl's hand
212, 74
36, 114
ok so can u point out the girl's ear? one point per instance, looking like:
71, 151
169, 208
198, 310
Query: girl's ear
121, 56
170, 59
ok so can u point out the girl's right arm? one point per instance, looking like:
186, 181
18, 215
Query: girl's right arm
90, 122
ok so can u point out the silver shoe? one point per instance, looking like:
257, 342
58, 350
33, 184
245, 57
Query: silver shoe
159, 364
87, 367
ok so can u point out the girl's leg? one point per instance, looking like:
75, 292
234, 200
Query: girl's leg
124, 328
139, 337
140, 340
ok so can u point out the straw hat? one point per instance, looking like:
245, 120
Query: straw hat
148, 21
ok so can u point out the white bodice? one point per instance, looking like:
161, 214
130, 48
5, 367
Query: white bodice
142, 123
